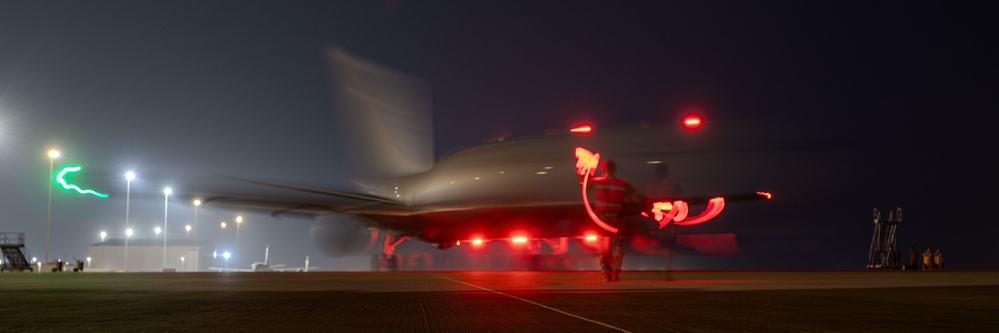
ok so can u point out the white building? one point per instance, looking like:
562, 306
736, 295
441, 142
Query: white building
144, 255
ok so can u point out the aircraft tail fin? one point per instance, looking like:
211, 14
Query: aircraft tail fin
383, 118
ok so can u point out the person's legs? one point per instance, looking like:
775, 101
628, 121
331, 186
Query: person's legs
617, 257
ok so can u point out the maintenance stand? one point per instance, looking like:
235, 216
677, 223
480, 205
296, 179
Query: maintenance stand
884, 252
15, 256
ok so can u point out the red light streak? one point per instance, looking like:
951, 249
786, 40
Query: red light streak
586, 161
692, 122
715, 207
658, 209
664, 212
582, 129
765, 194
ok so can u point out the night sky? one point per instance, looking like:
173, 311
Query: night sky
886, 105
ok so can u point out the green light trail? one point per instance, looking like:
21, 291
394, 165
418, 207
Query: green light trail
74, 187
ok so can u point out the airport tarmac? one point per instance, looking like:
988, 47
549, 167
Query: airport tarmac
503, 301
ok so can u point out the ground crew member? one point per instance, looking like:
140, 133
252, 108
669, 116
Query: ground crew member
610, 194
913, 257
663, 187
928, 259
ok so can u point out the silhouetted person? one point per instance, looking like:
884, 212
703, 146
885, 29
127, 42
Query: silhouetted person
610, 196
938, 260
665, 189
913, 258
928, 259
895, 258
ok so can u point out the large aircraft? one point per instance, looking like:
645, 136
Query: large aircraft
515, 189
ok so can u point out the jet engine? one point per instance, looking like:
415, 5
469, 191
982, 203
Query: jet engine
339, 235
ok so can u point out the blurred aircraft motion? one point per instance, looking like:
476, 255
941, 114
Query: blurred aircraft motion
518, 190
265, 267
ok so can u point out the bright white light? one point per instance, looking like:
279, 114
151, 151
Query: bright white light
226, 255
167, 191
187, 227
520, 239
197, 202
54, 153
130, 175
129, 232
157, 231
239, 219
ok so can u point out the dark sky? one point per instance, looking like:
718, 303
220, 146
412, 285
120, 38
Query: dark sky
892, 101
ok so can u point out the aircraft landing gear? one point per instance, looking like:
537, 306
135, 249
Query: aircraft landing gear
387, 260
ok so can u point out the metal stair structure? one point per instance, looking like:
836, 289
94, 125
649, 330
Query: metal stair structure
15, 256
883, 247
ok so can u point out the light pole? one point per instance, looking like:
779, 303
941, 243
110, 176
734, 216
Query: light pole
222, 225
53, 154
129, 176
104, 251
239, 220
197, 203
188, 228
166, 199
128, 234
182, 266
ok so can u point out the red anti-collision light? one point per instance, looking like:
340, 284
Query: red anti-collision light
582, 129
692, 122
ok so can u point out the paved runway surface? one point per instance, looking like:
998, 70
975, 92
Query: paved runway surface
488, 301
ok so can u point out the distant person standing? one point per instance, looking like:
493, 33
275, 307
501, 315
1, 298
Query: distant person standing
895, 258
928, 259
938, 260
610, 195
664, 188
913, 258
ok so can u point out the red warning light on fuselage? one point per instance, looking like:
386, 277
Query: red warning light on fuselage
692, 122
582, 129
